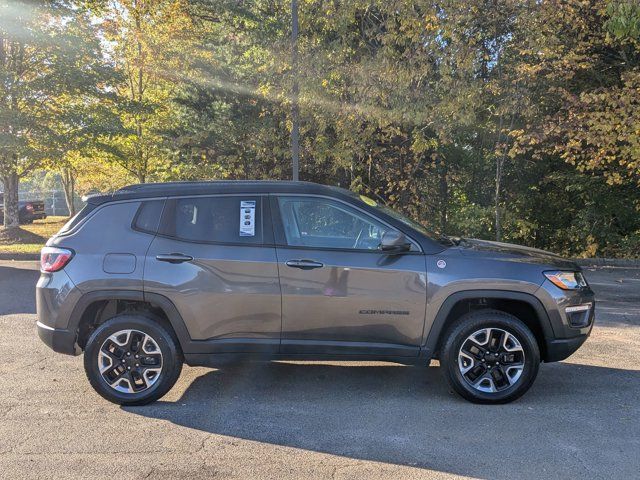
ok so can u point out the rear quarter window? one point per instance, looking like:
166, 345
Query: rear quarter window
222, 219
76, 219
147, 218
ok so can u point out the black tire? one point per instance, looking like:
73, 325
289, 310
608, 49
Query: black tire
171, 359
461, 331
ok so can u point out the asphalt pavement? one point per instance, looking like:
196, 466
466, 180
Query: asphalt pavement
336, 420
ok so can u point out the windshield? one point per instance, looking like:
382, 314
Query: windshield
443, 239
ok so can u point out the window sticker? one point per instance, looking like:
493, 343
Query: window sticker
247, 218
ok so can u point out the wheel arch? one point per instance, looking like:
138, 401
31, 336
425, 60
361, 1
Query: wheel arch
95, 307
524, 306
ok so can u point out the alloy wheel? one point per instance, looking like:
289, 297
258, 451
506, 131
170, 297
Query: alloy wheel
130, 361
491, 360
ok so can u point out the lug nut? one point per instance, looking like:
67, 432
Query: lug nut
128, 354
128, 368
137, 364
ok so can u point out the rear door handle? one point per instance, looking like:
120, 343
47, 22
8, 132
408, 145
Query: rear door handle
173, 257
304, 264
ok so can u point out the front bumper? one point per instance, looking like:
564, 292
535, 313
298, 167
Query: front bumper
568, 335
560, 349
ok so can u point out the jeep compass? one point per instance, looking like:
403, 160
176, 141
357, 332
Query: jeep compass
153, 276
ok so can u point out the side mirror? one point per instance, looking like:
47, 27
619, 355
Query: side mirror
394, 242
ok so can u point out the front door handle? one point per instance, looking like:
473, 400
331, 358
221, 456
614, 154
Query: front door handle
304, 264
173, 257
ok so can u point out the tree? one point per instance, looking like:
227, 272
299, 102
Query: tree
579, 61
49, 54
505, 119
149, 47
478, 118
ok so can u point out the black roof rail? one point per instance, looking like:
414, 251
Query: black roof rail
146, 190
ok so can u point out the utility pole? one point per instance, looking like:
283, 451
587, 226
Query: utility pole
295, 109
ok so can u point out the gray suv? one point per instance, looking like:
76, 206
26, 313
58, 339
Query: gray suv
155, 275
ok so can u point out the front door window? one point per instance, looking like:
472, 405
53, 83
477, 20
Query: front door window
323, 223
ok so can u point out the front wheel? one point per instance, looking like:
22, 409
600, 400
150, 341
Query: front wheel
490, 357
132, 360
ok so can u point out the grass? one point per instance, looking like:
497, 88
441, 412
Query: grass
30, 238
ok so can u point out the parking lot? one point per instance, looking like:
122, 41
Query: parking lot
323, 420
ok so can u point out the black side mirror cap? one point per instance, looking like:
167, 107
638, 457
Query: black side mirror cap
394, 242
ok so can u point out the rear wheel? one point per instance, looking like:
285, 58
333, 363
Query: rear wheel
490, 356
132, 360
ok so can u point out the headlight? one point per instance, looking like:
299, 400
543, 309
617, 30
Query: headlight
567, 280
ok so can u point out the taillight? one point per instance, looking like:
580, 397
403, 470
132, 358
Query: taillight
29, 207
53, 259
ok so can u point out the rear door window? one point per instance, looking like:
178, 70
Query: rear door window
220, 219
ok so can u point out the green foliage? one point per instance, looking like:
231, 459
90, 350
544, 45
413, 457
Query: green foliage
49, 55
624, 19
505, 119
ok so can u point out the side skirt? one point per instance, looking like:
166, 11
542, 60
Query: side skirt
221, 359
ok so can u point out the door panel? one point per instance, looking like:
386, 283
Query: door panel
357, 300
226, 293
353, 298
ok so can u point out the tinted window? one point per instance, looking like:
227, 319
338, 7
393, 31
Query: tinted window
77, 218
214, 219
148, 216
323, 223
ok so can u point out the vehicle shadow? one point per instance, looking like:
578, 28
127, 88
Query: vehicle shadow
408, 416
18, 290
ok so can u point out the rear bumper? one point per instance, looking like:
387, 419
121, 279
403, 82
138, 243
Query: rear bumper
59, 340
56, 295
31, 216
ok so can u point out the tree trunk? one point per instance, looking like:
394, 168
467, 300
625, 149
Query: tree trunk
138, 95
11, 216
69, 188
500, 161
498, 225
443, 188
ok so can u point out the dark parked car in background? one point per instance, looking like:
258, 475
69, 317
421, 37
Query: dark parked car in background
28, 210
152, 276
